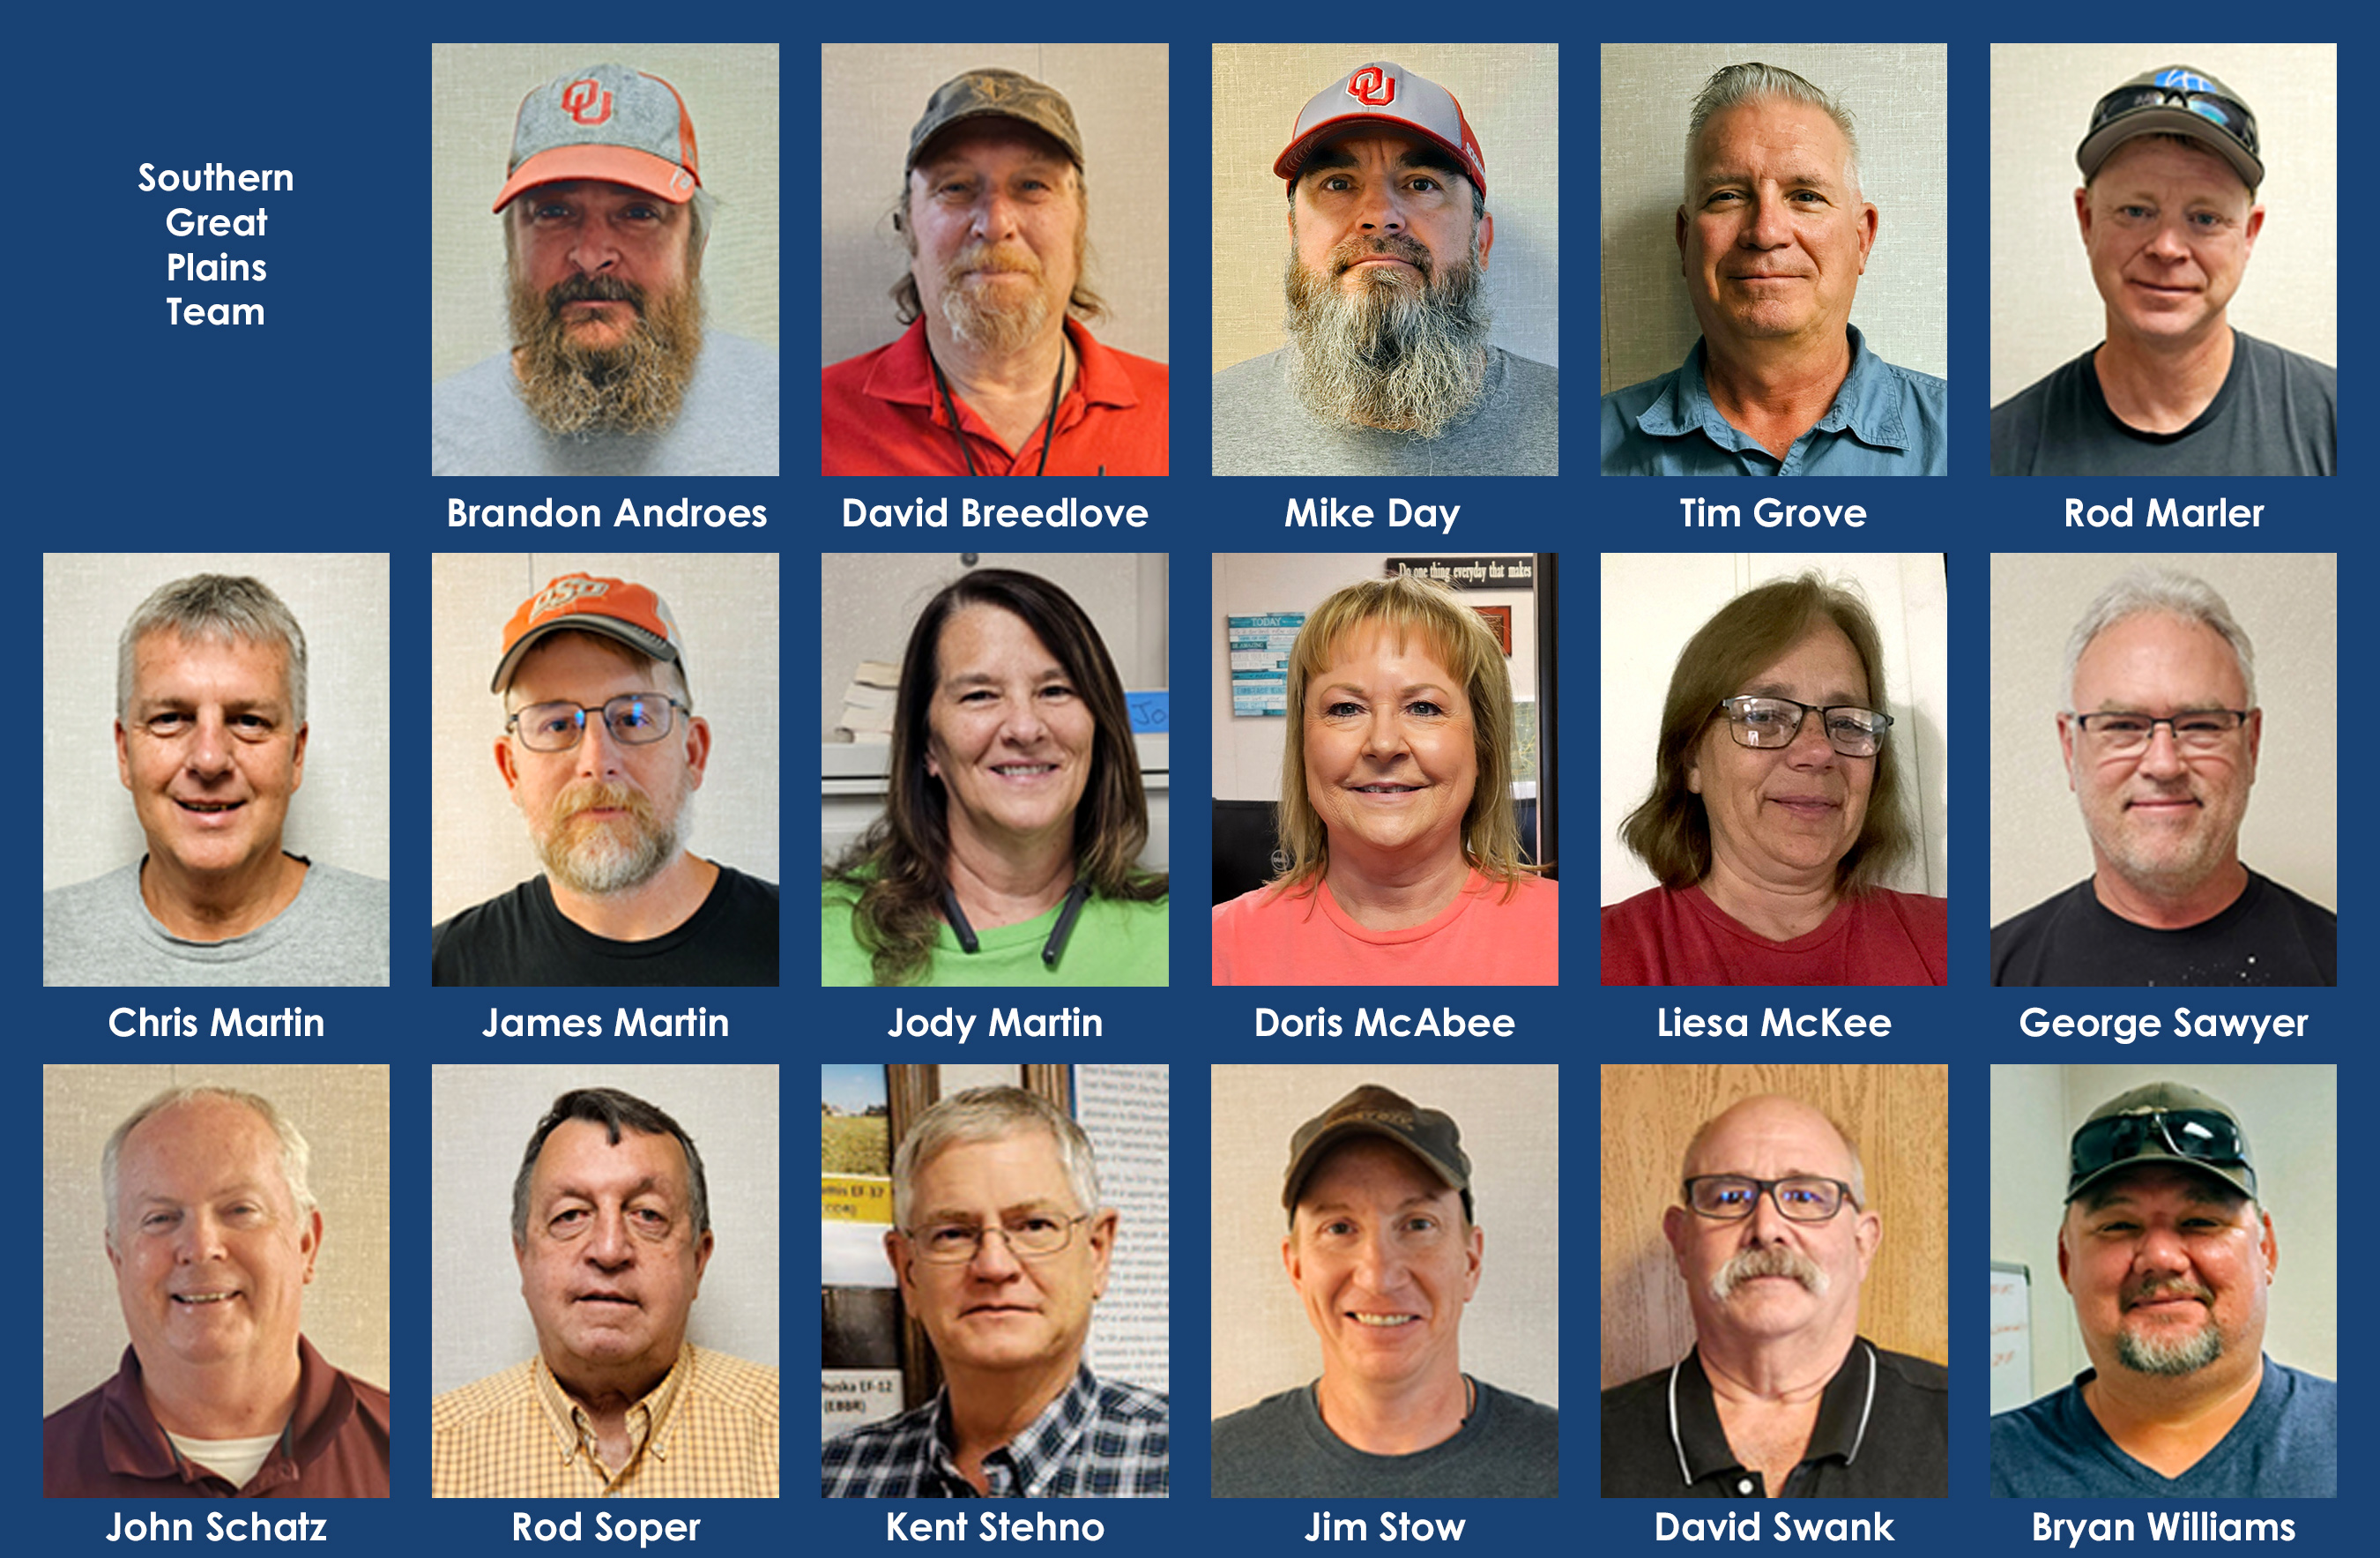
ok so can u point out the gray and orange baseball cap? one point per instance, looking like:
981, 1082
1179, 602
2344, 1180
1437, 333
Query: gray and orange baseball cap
1386, 94
612, 608
609, 122
1373, 1109
996, 94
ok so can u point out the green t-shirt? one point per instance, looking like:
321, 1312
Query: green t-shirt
1113, 943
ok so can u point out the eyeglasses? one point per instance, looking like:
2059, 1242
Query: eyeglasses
2226, 113
1774, 722
634, 719
2202, 1136
1802, 1198
1032, 1236
2121, 735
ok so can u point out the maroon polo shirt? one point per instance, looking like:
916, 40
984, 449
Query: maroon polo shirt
108, 1445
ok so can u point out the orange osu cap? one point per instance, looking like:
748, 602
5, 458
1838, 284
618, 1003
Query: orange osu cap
583, 603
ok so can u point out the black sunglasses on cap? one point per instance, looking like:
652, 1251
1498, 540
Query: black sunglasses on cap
2223, 113
2199, 1136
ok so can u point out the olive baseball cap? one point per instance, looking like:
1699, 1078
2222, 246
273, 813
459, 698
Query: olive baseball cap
2162, 1122
1373, 1109
999, 94
2176, 100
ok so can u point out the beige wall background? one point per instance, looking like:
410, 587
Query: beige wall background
726, 609
731, 93
2290, 1112
1899, 1119
482, 1119
1653, 604
2044, 310
2288, 605
343, 1110
1898, 103
870, 95
1512, 95
1512, 1130
340, 814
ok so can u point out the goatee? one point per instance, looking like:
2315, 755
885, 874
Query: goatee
594, 858
574, 386
994, 329
1399, 349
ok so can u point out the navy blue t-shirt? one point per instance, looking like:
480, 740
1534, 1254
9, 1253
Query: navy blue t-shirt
2286, 1447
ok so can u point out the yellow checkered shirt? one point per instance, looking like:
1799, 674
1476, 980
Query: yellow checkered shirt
708, 1431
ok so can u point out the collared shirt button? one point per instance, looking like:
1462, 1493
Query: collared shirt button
1743, 1485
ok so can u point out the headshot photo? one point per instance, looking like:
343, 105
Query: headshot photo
1776, 1281
980, 312
2162, 1200
1384, 808
240, 1215
608, 689
190, 681
1385, 1241
2143, 670
996, 808
1379, 311
1759, 846
603, 292
2154, 346
993, 1282
1776, 260
611, 1287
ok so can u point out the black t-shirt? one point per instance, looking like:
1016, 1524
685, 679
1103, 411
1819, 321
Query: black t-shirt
1883, 1432
2275, 415
2270, 936
521, 938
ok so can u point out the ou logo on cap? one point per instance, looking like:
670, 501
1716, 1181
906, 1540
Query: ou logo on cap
1372, 87
586, 100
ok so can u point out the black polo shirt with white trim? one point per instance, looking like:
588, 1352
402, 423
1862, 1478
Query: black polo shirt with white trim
1883, 1432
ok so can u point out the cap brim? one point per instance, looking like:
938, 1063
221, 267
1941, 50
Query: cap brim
2227, 1173
2096, 149
628, 633
969, 115
1293, 156
657, 177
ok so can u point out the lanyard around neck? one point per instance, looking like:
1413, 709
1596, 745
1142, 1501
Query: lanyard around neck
1048, 425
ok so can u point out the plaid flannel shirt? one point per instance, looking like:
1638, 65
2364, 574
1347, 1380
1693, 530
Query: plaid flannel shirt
1100, 1439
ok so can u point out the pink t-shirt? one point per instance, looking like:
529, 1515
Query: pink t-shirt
1266, 937
1663, 937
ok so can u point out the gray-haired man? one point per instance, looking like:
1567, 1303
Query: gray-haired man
2160, 737
211, 740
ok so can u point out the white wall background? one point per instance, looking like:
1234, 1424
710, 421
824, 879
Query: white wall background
1898, 98
1653, 604
725, 606
2290, 1114
872, 95
340, 813
343, 1113
1510, 94
731, 93
2288, 605
481, 1118
2044, 309
1248, 751
1512, 1130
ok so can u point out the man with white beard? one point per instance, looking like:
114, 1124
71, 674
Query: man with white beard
1389, 369
996, 374
1782, 1396
602, 750
2170, 1259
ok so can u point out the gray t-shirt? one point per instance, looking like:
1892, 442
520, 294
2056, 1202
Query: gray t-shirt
334, 931
2275, 415
727, 427
1281, 1448
1261, 429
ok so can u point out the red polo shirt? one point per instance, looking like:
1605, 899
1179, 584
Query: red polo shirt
881, 415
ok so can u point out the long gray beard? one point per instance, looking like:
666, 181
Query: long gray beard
1389, 354
637, 386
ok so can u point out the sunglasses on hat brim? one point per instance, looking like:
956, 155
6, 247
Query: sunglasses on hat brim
2225, 114
2199, 1136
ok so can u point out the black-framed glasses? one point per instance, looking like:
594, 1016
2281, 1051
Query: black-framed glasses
634, 719
1800, 1197
1030, 1235
2229, 115
2122, 733
2202, 1136
1774, 722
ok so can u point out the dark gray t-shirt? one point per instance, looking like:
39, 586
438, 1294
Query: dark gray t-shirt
2267, 936
2275, 415
1281, 1448
1261, 429
2286, 1446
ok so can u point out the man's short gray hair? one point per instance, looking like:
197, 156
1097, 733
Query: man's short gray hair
992, 1114
295, 1154
1733, 85
217, 608
2173, 593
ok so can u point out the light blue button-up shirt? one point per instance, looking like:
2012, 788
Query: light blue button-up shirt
1885, 421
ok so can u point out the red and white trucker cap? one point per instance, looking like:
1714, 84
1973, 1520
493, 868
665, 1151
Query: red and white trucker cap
1387, 94
605, 121
584, 603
